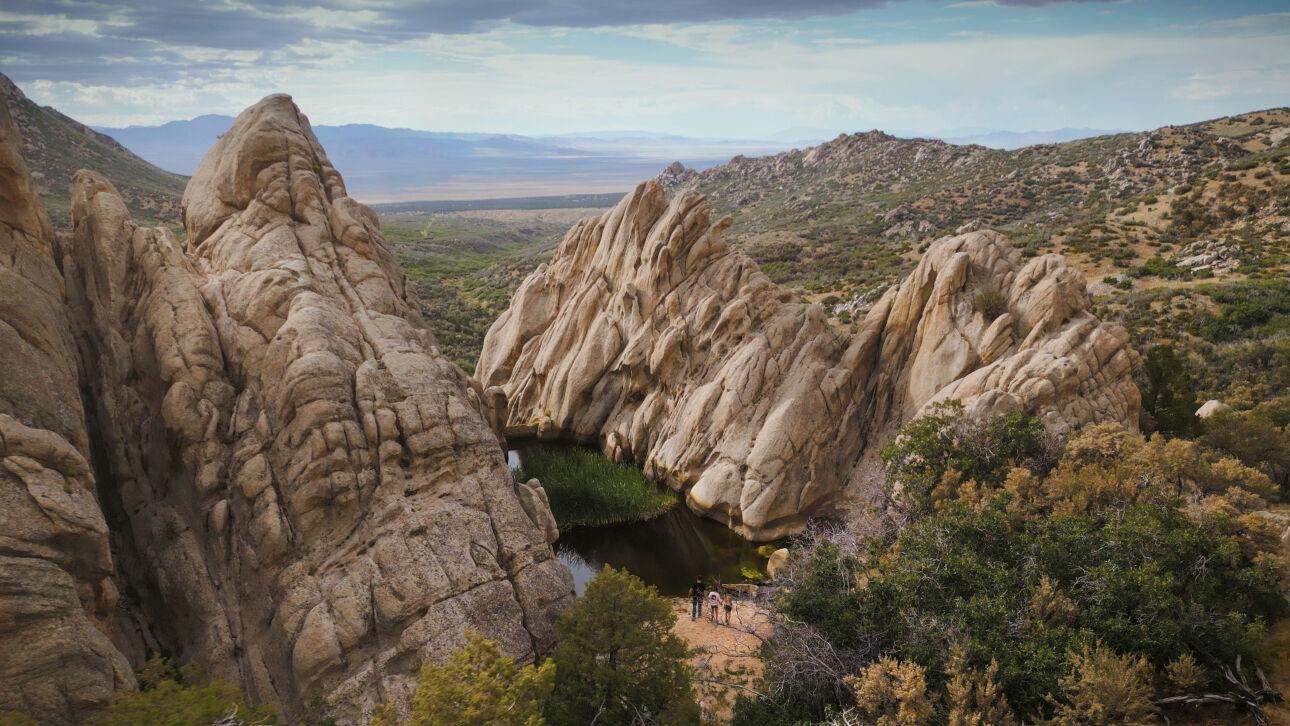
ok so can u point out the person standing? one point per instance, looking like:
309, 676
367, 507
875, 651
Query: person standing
696, 599
728, 604
714, 602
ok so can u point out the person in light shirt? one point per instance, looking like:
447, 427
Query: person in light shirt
714, 603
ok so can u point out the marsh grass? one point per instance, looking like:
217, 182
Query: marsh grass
588, 490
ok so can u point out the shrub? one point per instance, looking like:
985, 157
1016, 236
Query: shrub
1184, 673
1105, 689
1168, 396
618, 661
1120, 548
974, 697
990, 303
179, 696
587, 489
947, 439
478, 686
893, 693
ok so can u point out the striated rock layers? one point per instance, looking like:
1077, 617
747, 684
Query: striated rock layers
302, 495
648, 335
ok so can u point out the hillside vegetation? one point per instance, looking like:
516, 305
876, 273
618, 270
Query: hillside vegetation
56, 147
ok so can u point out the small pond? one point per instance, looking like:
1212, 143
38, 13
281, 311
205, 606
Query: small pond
668, 551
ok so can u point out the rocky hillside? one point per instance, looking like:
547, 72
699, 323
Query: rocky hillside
843, 217
648, 334
56, 147
242, 449
1182, 233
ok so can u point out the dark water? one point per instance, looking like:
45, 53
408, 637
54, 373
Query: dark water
669, 551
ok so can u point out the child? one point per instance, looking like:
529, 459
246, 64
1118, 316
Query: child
714, 601
729, 604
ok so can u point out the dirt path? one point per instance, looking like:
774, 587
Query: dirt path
725, 659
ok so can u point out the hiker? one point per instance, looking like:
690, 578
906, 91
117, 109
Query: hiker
696, 599
728, 603
714, 602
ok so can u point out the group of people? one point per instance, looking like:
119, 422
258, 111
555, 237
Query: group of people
716, 601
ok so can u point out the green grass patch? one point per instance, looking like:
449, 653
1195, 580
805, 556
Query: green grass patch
588, 490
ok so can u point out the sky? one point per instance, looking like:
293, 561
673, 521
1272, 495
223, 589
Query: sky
717, 69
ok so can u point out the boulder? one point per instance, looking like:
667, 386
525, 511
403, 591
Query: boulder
778, 560
647, 333
1211, 408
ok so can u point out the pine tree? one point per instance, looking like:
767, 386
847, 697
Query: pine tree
618, 661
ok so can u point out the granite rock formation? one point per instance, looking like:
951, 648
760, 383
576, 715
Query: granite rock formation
57, 595
302, 495
649, 336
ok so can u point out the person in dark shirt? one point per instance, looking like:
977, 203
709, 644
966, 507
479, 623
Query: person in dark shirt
696, 599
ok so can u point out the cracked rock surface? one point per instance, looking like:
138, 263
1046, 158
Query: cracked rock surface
648, 335
302, 495
57, 595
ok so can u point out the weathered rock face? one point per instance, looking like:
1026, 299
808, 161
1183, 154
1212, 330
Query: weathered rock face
647, 334
304, 495
56, 592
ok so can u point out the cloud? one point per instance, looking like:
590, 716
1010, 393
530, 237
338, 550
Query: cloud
370, 61
1019, 3
1042, 3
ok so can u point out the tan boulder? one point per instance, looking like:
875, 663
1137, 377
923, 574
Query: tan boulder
648, 334
778, 560
1212, 407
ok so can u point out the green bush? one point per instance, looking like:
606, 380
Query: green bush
1254, 440
990, 303
1248, 310
179, 696
1159, 267
1131, 575
618, 662
477, 686
1128, 550
587, 489
1168, 396
947, 439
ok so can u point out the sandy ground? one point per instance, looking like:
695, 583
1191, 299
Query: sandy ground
725, 656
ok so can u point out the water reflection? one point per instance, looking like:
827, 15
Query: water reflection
669, 551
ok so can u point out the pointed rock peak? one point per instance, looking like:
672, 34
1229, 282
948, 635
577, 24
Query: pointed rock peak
269, 157
9, 89
86, 185
19, 202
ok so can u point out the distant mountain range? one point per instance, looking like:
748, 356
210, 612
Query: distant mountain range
382, 164
1019, 139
